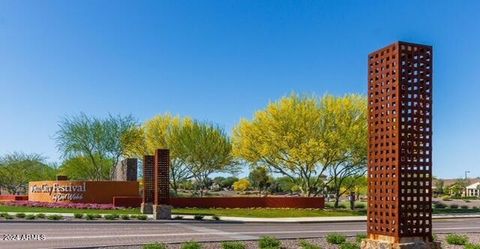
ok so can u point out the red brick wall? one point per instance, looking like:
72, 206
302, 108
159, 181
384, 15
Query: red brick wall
249, 202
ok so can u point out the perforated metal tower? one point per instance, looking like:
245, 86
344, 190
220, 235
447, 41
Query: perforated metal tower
400, 143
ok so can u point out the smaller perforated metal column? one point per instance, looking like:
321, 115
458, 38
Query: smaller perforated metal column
148, 178
162, 178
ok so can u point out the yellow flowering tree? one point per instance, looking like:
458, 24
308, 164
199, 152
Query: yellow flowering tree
304, 137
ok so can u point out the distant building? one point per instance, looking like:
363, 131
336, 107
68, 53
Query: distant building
473, 190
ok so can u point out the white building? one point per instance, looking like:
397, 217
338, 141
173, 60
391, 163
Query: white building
473, 190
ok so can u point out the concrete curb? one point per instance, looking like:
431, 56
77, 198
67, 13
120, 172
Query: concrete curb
226, 219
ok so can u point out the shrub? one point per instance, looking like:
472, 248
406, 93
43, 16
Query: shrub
97, 216
178, 217
307, 245
20, 215
454, 206
215, 217
464, 207
342, 205
110, 217
360, 236
78, 215
348, 245
30, 217
3, 214
467, 201
8, 217
439, 205
472, 246
125, 217
155, 246
360, 205
54, 217
446, 199
267, 242
336, 238
198, 217
191, 245
90, 217
456, 239
233, 245
141, 217
41, 216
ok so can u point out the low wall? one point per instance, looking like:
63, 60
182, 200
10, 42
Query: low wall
13, 197
249, 202
127, 201
100, 192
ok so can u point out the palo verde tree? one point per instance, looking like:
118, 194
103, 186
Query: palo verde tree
161, 132
304, 138
95, 141
205, 149
17, 169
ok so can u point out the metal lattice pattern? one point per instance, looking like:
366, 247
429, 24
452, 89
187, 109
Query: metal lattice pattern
148, 178
162, 178
399, 157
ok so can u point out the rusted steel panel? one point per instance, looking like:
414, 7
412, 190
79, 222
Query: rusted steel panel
400, 141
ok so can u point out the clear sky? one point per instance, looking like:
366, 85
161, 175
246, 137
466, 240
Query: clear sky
222, 60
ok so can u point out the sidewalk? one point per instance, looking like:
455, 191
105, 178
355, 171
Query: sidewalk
280, 220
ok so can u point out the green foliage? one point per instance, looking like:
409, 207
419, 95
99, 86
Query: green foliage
78, 215
464, 207
30, 217
456, 239
439, 205
198, 217
155, 246
205, 149
360, 205
348, 245
307, 245
141, 217
8, 217
125, 217
472, 246
55, 217
215, 217
336, 238
178, 217
90, 217
268, 242
446, 198
20, 215
454, 206
17, 169
233, 245
259, 178
304, 138
4, 214
81, 168
41, 216
360, 236
96, 141
110, 217
191, 245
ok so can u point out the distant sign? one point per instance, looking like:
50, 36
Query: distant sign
61, 192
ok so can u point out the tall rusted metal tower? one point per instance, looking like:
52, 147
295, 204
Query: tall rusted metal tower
400, 145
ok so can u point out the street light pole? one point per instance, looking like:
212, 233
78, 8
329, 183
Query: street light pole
466, 182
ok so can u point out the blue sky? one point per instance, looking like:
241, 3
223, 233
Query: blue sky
220, 61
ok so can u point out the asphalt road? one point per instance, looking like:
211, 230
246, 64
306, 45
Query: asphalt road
83, 234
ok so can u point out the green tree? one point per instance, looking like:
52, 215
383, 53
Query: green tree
259, 179
81, 168
97, 140
205, 149
17, 169
161, 132
304, 138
